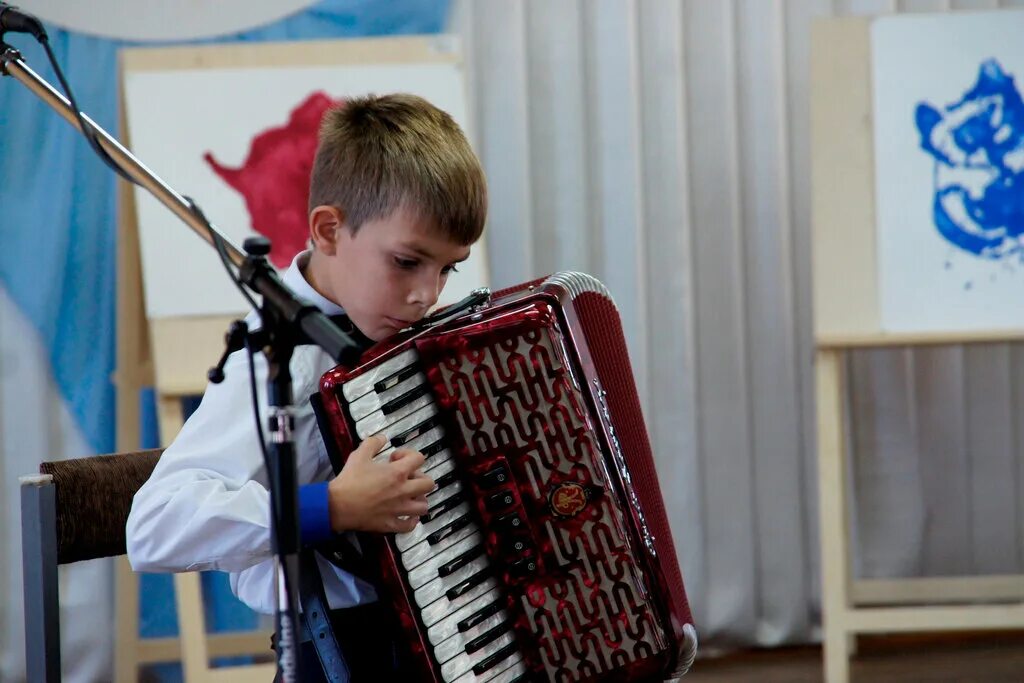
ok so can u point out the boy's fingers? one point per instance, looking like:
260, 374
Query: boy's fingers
371, 446
400, 453
404, 526
414, 507
420, 486
409, 461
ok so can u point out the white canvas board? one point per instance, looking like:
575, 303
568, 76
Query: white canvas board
174, 117
949, 169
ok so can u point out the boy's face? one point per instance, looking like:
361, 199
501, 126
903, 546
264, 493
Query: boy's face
388, 274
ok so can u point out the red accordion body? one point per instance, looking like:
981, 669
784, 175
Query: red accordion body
546, 554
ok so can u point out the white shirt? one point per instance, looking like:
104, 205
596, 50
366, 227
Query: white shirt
206, 505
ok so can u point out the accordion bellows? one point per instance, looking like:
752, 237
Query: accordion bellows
546, 553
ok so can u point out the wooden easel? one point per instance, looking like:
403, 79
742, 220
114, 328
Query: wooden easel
846, 309
173, 355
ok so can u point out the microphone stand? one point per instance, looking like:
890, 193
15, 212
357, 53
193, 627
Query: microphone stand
287, 322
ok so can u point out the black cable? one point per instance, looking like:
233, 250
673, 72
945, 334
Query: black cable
93, 139
94, 142
87, 130
195, 210
256, 404
215, 237
218, 243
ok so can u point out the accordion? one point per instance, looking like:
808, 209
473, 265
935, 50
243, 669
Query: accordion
546, 552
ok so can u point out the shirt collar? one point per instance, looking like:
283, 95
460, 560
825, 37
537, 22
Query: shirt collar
294, 278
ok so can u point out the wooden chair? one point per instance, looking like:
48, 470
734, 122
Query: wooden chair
76, 510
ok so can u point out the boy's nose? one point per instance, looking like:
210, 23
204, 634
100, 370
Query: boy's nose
427, 291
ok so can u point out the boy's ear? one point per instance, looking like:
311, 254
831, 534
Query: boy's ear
325, 225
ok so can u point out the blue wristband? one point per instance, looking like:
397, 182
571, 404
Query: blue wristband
314, 513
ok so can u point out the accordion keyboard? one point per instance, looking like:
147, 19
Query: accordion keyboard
448, 570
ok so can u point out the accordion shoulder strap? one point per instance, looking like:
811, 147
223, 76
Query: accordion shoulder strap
316, 617
340, 552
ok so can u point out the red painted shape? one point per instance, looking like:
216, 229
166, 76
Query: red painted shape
274, 180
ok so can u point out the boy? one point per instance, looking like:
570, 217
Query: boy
397, 198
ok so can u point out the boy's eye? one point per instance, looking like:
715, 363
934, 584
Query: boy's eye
449, 269
406, 263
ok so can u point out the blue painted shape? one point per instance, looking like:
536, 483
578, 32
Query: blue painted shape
978, 146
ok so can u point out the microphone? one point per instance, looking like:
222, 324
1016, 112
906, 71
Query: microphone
13, 20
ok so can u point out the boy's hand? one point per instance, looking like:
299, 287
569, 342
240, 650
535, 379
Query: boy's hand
379, 496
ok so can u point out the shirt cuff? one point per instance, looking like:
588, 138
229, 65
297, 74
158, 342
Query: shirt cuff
314, 514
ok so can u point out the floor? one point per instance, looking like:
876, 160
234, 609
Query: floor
970, 659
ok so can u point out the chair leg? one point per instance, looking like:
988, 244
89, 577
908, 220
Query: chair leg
39, 567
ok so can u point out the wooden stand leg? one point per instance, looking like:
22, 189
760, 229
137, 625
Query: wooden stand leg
134, 370
837, 656
832, 491
126, 606
196, 645
188, 598
170, 415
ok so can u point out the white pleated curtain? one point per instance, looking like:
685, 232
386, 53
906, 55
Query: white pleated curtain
664, 146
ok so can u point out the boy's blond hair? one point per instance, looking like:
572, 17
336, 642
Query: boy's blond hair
378, 153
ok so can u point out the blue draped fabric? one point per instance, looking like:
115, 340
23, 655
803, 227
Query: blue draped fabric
58, 218
57, 206
58, 225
